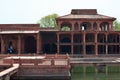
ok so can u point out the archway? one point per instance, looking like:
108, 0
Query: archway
104, 26
30, 44
66, 26
76, 26
95, 26
86, 26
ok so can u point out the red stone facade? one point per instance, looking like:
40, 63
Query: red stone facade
83, 32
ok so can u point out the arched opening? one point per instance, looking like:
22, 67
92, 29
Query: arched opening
30, 44
95, 26
104, 26
85, 26
66, 26
76, 26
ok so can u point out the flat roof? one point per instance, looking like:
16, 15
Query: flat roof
17, 32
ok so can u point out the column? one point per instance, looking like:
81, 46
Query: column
19, 44
84, 45
72, 25
98, 26
110, 26
38, 43
92, 28
96, 45
58, 44
106, 44
72, 51
79, 26
2, 45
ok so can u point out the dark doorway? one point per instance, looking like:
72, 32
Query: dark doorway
10, 48
50, 48
46, 48
30, 44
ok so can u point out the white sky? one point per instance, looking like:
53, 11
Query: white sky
30, 11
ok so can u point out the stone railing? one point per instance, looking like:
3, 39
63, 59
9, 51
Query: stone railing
44, 60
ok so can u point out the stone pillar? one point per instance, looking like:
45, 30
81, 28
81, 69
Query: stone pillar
38, 43
19, 44
2, 45
84, 45
111, 26
80, 25
72, 25
92, 28
96, 45
52, 62
106, 44
98, 26
72, 51
58, 44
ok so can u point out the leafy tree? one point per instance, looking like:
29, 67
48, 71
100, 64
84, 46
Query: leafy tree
116, 25
48, 21
65, 28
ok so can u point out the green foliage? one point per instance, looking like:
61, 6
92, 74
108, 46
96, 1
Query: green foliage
65, 28
116, 25
48, 21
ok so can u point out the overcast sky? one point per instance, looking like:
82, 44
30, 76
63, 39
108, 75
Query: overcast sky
30, 11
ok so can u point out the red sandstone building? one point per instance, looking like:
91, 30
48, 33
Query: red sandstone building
83, 32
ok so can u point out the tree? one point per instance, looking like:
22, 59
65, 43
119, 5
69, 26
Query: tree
48, 21
116, 25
